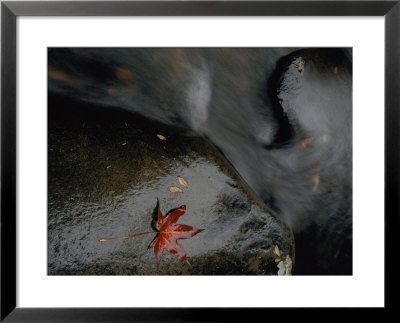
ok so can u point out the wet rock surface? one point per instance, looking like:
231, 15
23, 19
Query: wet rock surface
106, 169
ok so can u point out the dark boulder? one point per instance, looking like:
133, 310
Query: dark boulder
106, 170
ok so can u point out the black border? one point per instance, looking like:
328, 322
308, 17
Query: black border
11, 10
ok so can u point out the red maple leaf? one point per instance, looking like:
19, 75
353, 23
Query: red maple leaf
168, 232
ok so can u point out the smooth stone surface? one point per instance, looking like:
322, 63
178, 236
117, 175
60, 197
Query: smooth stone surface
106, 170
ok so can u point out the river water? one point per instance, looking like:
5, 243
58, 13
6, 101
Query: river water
282, 117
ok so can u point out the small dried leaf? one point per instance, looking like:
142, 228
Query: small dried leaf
299, 67
123, 74
316, 182
305, 142
161, 137
58, 75
277, 251
335, 70
183, 182
175, 190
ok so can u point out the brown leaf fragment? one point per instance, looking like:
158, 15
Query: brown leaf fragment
183, 182
123, 74
277, 250
316, 182
299, 67
305, 142
335, 70
175, 190
161, 137
58, 75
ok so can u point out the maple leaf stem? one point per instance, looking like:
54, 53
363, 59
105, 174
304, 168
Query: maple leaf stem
126, 237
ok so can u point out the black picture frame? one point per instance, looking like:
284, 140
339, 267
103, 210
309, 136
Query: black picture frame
10, 10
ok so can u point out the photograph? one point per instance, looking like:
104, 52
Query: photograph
222, 148
199, 161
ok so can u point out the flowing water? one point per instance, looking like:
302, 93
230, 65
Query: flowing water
281, 117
